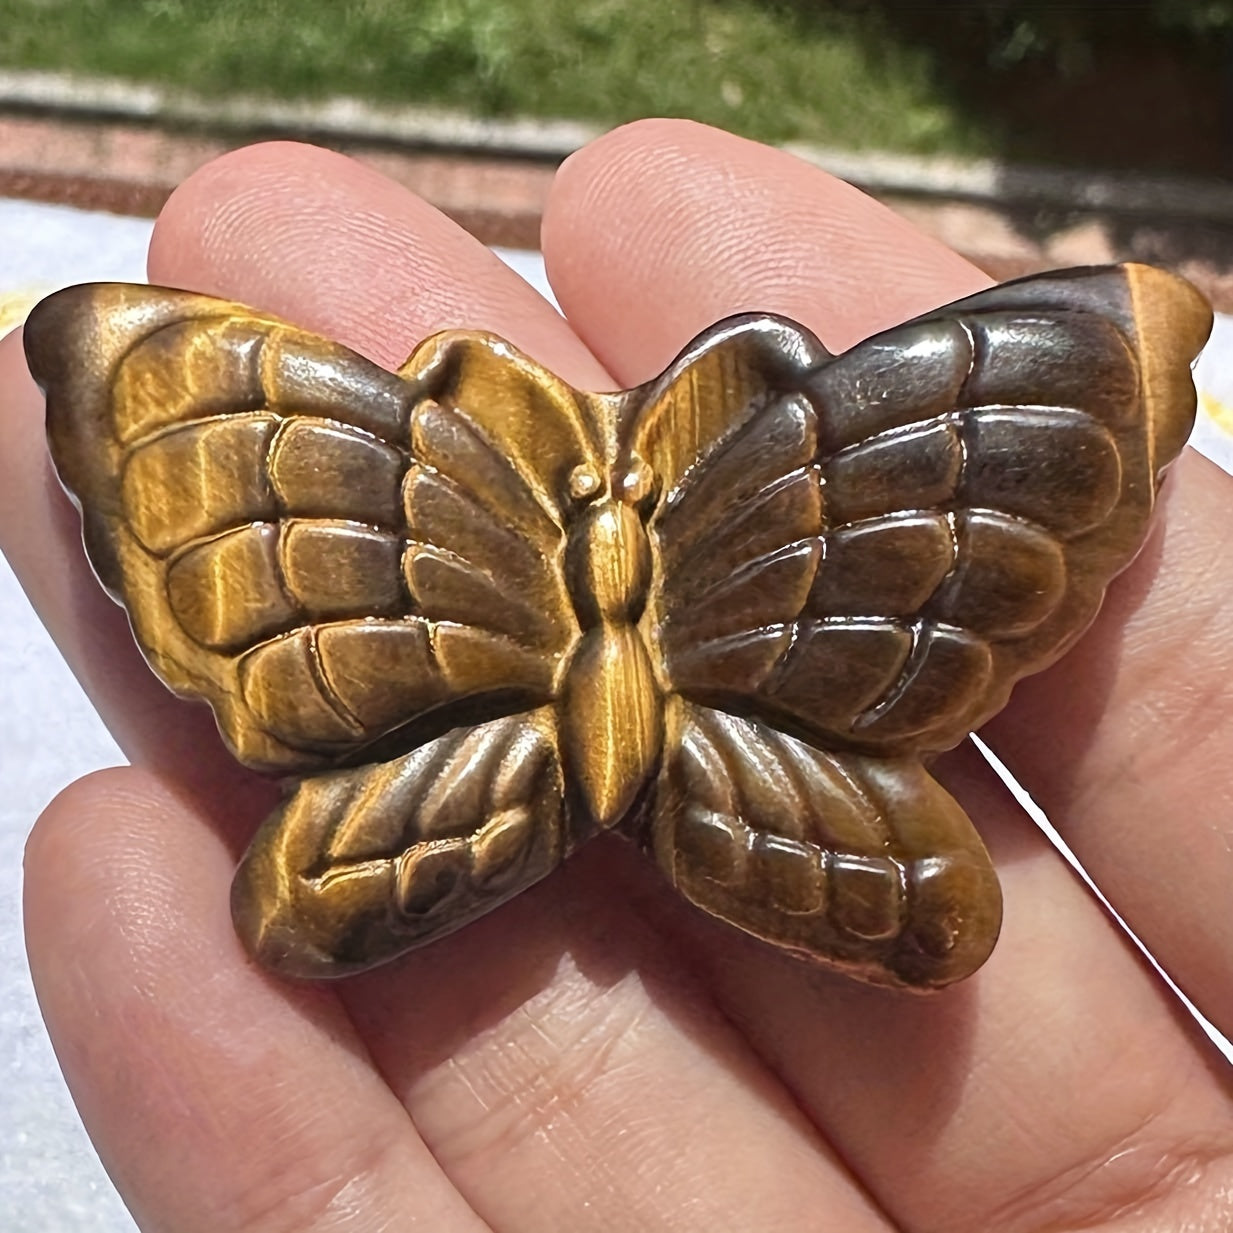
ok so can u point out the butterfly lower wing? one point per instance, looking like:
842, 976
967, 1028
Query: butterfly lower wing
865, 864
928, 516
254, 497
360, 865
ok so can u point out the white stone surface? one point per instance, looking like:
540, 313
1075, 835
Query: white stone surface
50, 1179
1213, 430
44, 247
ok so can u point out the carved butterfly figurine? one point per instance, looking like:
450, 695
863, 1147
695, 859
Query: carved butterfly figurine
477, 616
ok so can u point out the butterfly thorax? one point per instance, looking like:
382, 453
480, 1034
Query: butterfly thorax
611, 707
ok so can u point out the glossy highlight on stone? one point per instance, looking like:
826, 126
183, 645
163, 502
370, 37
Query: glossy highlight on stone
475, 617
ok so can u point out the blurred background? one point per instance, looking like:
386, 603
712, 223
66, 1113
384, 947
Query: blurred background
1132, 85
1025, 134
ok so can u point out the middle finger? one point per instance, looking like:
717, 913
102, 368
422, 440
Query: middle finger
557, 1039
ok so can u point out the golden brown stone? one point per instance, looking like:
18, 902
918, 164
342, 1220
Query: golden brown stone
479, 616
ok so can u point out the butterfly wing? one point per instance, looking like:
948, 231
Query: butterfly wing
865, 863
858, 563
360, 571
327, 552
873, 548
362, 864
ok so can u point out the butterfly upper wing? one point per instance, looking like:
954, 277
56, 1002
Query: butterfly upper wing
323, 550
740, 512
873, 548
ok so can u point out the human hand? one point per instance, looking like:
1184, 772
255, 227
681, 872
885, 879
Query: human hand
595, 1055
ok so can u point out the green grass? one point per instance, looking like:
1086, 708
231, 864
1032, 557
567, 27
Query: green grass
776, 72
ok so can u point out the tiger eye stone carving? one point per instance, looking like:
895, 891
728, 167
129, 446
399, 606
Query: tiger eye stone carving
475, 616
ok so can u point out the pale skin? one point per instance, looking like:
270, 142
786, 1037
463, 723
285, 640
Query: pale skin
596, 1055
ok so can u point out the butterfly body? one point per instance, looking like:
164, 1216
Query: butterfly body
612, 712
478, 616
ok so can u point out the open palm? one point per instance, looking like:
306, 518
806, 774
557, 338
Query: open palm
595, 1055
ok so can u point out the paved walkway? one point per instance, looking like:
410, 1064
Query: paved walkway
115, 146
